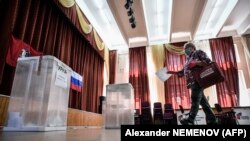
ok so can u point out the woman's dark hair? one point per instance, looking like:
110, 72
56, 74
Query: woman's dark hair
189, 44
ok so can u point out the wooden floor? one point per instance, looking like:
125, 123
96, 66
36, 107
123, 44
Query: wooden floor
71, 134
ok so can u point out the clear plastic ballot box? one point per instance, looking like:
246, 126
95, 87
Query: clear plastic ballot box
119, 105
39, 96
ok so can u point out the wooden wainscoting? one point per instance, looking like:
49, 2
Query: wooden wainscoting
75, 117
4, 102
83, 118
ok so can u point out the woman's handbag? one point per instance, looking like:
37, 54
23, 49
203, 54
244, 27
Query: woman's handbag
208, 75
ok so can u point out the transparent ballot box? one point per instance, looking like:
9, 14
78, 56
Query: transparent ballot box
39, 96
119, 105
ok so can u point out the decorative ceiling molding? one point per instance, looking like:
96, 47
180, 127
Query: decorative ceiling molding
166, 21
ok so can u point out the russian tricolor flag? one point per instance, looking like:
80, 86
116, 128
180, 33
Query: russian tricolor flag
76, 82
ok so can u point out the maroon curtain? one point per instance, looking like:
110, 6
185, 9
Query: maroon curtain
112, 66
71, 14
138, 75
176, 91
5, 30
224, 54
42, 25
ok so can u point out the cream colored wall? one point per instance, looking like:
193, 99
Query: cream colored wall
122, 67
243, 70
242, 65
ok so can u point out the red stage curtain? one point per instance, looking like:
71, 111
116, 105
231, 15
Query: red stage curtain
42, 25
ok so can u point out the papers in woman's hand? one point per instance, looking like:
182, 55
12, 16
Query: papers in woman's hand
162, 74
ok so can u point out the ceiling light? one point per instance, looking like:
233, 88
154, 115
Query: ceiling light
132, 19
130, 1
128, 4
130, 12
133, 25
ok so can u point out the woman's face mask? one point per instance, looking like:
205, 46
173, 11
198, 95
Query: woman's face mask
188, 51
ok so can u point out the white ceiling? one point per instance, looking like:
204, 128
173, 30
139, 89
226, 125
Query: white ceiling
166, 21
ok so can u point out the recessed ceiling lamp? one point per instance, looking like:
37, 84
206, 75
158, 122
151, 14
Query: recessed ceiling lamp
158, 15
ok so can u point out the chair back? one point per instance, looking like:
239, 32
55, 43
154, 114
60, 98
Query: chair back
146, 116
157, 113
218, 107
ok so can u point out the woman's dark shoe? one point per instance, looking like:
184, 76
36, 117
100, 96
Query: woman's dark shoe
186, 122
212, 122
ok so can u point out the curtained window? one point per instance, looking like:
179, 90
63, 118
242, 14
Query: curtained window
223, 53
138, 75
176, 91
